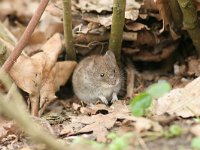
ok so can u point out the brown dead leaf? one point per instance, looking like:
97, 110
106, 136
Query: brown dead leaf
132, 14
164, 119
55, 8
182, 102
94, 5
136, 26
87, 111
193, 66
164, 9
24, 8
7, 127
58, 76
94, 109
5, 9
143, 124
48, 23
7, 38
99, 124
106, 21
89, 6
17, 7
195, 129
32, 69
76, 106
40, 75
66, 130
26, 148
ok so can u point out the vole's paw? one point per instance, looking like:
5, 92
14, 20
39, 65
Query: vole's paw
114, 97
103, 99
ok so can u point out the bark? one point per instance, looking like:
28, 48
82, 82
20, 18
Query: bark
177, 15
117, 27
67, 24
190, 22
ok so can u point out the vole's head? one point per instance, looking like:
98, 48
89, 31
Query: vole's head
106, 71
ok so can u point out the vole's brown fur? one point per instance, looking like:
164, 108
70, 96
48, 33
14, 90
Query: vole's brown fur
97, 78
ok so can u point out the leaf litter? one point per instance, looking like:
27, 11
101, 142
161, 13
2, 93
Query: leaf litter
40, 74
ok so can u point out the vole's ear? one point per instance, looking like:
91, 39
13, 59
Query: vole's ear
91, 62
110, 56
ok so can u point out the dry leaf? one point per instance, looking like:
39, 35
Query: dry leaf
40, 75
66, 130
76, 106
195, 129
100, 124
7, 128
6, 38
135, 26
182, 102
132, 14
193, 66
26, 148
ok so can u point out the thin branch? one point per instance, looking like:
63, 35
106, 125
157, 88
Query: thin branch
67, 25
117, 27
25, 37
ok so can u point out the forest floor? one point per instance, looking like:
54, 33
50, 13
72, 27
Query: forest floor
171, 123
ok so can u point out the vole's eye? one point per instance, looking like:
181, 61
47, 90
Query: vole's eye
114, 71
102, 74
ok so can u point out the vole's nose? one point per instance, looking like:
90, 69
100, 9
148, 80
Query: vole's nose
111, 76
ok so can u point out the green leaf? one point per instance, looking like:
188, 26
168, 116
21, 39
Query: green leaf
196, 143
140, 103
112, 136
175, 130
120, 143
197, 120
157, 90
86, 142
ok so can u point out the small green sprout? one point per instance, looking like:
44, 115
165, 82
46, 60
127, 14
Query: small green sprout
141, 102
195, 144
119, 143
174, 130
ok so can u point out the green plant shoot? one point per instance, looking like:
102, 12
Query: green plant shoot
140, 103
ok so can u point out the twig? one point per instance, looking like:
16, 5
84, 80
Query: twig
67, 25
117, 27
130, 83
25, 37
